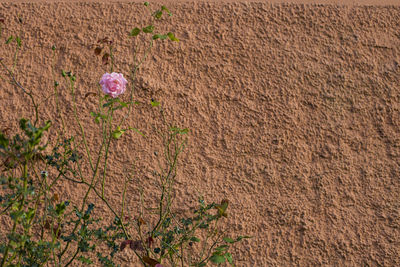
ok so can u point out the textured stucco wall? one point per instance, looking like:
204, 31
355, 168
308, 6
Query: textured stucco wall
293, 111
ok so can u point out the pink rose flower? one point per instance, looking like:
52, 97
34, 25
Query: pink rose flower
113, 84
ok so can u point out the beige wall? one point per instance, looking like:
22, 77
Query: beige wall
293, 111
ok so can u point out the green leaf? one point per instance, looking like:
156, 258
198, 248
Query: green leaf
160, 36
108, 104
123, 104
47, 125
146, 3
195, 239
16, 215
136, 130
9, 39
22, 124
60, 208
148, 29
228, 257
222, 208
3, 141
215, 258
155, 103
163, 8
84, 260
78, 213
229, 240
19, 43
134, 32
242, 237
221, 248
158, 14
172, 37
117, 134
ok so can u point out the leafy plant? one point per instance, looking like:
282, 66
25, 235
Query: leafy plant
47, 230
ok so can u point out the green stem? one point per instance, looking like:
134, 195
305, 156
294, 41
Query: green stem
15, 59
107, 149
73, 257
95, 170
56, 97
133, 73
80, 125
112, 59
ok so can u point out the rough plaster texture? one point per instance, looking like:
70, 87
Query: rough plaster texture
293, 111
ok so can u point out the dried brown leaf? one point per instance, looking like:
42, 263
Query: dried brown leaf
89, 94
150, 261
105, 58
98, 50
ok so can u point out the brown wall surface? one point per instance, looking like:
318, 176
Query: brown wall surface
336, 2
293, 111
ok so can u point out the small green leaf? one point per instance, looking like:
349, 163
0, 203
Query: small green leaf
158, 14
84, 260
109, 102
195, 239
117, 133
155, 103
16, 215
9, 39
228, 257
3, 141
172, 37
78, 213
229, 240
163, 8
148, 29
217, 259
60, 208
47, 125
242, 237
19, 43
146, 3
160, 36
221, 248
134, 32
136, 130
